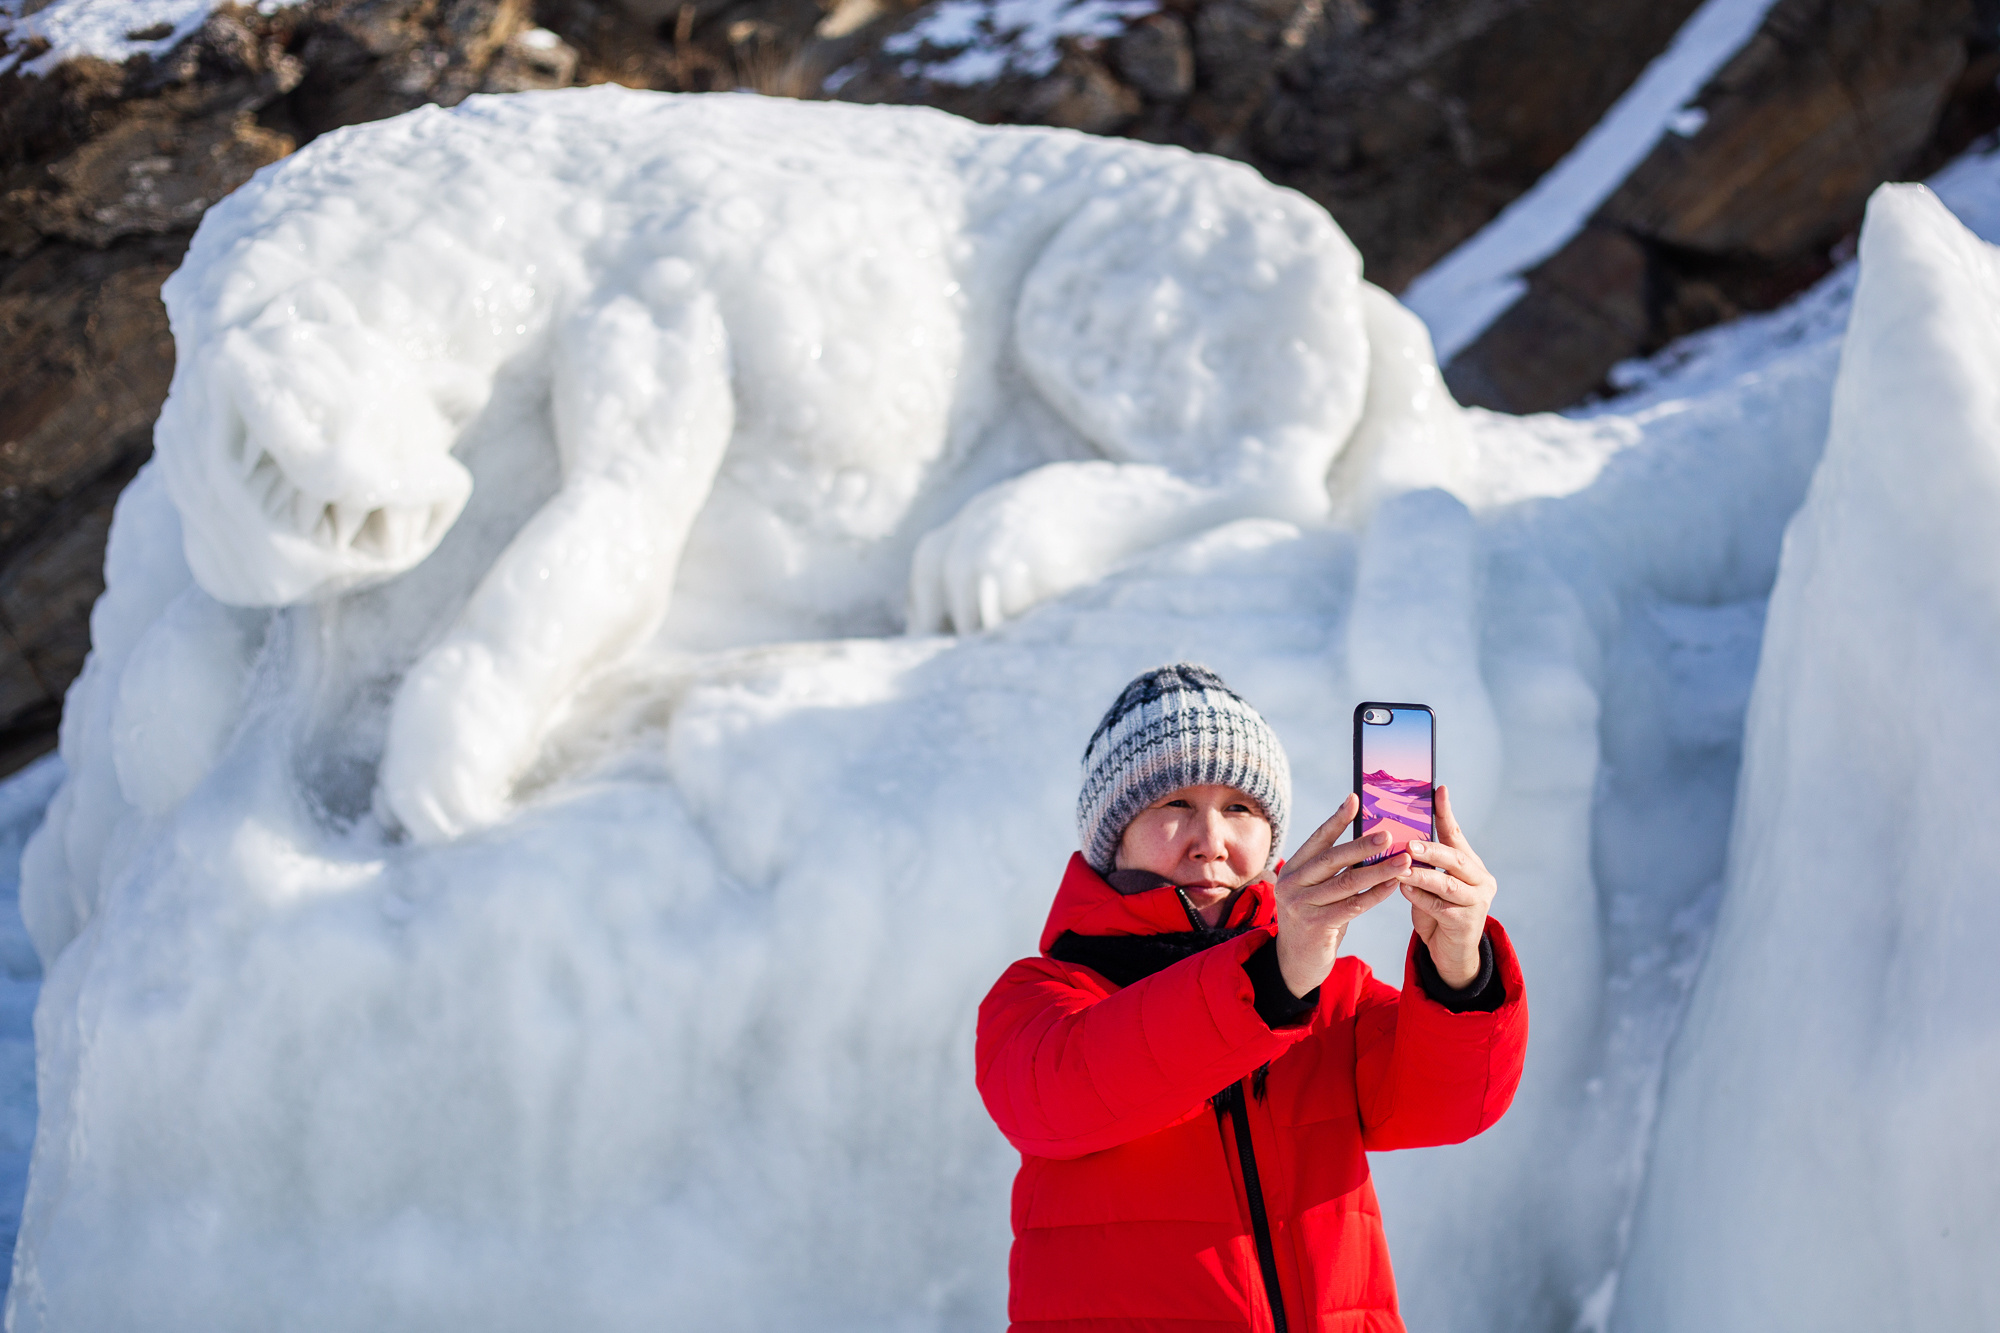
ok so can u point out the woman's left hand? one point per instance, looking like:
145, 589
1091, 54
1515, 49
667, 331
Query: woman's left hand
1448, 903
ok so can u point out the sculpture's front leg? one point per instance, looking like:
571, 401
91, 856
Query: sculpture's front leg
643, 411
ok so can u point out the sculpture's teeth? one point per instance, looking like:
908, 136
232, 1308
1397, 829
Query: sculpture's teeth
264, 480
406, 529
373, 536
277, 497
390, 532
347, 520
305, 513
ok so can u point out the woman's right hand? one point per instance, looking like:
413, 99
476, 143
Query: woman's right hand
1323, 888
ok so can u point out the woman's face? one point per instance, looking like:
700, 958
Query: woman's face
1210, 840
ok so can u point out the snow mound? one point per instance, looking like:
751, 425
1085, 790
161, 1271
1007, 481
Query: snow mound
1823, 1152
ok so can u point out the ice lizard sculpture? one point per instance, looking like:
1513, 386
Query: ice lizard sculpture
831, 304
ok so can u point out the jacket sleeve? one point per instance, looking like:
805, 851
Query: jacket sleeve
1427, 1076
1067, 1065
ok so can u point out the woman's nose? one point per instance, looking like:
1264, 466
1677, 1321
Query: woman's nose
1211, 837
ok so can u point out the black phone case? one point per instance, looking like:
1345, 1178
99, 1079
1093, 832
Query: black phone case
1358, 725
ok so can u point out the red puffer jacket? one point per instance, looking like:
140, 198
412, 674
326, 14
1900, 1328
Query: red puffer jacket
1133, 1209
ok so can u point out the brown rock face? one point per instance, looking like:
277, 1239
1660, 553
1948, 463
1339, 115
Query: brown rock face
150, 174
781, 47
1416, 128
1590, 295
47, 588
1827, 101
1830, 99
530, 59
1156, 56
85, 339
1412, 123
367, 59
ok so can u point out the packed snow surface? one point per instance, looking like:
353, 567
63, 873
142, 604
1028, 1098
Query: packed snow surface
1461, 294
597, 450
113, 30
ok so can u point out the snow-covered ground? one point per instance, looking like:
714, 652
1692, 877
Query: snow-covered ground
680, 1029
114, 30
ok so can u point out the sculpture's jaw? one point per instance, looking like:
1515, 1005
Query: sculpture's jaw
307, 460
390, 535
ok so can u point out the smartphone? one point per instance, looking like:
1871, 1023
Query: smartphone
1395, 759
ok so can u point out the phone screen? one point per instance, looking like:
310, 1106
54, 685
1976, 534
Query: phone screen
1395, 749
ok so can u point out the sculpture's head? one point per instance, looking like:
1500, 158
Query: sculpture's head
307, 455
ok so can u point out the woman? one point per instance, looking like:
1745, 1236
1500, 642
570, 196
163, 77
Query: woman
1193, 1077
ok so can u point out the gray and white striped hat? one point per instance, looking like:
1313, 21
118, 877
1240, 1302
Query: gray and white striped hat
1176, 726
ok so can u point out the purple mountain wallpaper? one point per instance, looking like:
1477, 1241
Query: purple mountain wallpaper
1396, 777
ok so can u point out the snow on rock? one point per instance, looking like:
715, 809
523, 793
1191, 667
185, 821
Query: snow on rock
977, 41
1464, 292
113, 30
1823, 1152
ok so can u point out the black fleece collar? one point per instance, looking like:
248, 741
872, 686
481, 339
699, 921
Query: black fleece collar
1124, 959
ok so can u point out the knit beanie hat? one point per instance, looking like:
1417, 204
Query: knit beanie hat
1176, 726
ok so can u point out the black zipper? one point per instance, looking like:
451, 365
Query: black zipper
1229, 1103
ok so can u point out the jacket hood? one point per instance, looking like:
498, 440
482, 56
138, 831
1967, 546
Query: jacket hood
1088, 905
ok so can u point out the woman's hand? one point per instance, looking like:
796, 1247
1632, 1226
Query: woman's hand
1322, 889
1448, 903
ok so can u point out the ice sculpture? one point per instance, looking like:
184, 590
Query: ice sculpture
822, 304
1823, 1158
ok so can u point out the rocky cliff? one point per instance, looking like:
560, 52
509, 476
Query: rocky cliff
1412, 123
1760, 198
